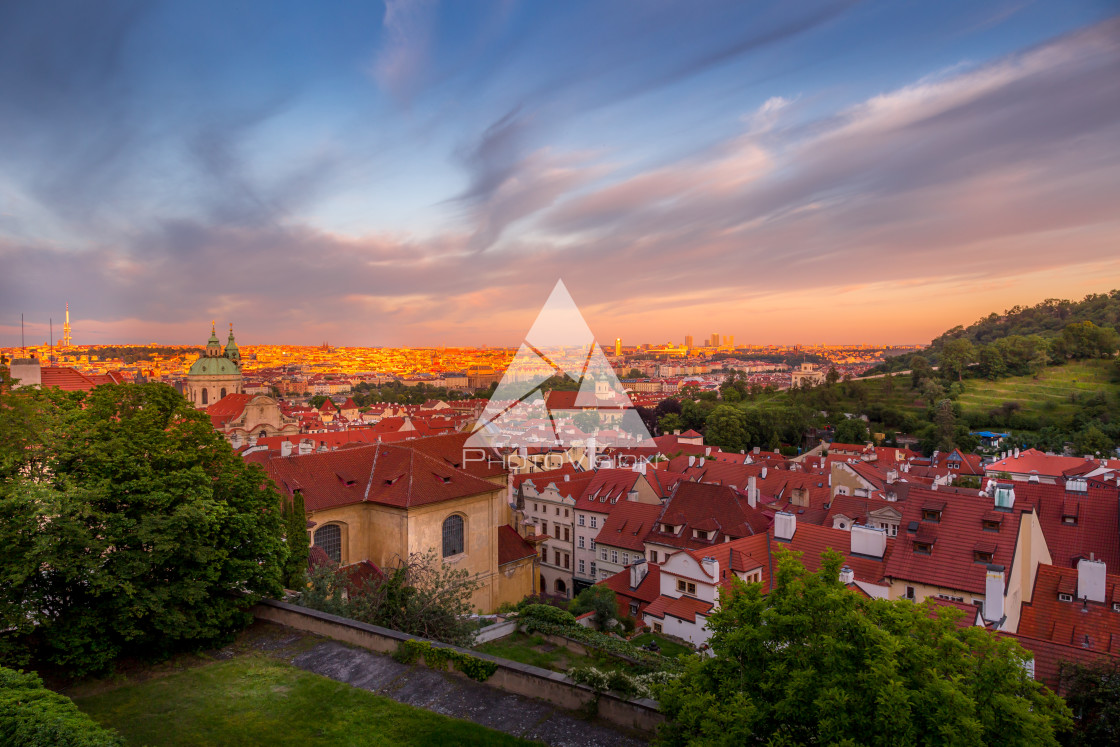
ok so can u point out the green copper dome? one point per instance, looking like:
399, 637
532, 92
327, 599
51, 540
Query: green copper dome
217, 366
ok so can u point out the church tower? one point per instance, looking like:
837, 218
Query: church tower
216, 373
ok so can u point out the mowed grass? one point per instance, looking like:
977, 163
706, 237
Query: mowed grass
668, 647
253, 700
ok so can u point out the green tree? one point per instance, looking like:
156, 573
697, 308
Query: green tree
814, 663
318, 400
33, 716
832, 376
1092, 440
919, 370
295, 537
956, 357
1093, 693
635, 374
670, 423
992, 365
420, 596
945, 425
598, 599
851, 431
144, 532
726, 428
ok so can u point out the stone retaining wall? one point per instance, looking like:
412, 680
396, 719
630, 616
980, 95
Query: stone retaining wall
558, 689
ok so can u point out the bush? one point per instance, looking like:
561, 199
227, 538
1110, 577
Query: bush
547, 613
437, 657
598, 599
31, 715
627, 685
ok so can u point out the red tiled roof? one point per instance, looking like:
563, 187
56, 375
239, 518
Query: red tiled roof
1097, 513
1050, 655
695, 502
451, 449
394, 475
1033, 460
684, 608
511, 546
628, 525
70, 380
648, 590
1090, 625
951, 563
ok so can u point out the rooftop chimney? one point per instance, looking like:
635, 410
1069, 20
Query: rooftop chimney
691, 460
764, 471
1091, 580
638, 572
305, 446
711, 567
892, 476
567, 477
993, 594
752, 491
847, 575
1016, 453
868, 541
285, 448
756, 449
785, 524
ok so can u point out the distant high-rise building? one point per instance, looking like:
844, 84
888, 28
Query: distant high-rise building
715, 339
618, 347
688, 341
731, 341
66, 328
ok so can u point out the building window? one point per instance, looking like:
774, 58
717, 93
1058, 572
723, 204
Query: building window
633, 609
556, 531
594, 521
990, 526
581, 519
556, 557
614, 556
979, 556
567, 534
653, 556
657, 627
580, 539
453, 535
910, 592
544, 554
567, 561
592, 569
582, 567
329, 538
686, 587
565, 513
557, 510
922, 548
205, 395
1065, 597
929, 514
626, 558
603, 554
592, 544
950, 597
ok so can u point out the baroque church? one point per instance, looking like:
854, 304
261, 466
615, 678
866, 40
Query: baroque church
216, 373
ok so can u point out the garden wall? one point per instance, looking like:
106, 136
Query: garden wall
532, 682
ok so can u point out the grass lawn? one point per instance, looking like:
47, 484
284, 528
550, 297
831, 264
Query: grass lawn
669, 648
253, 700
536, 651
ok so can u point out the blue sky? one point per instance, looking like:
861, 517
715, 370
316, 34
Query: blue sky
416, 172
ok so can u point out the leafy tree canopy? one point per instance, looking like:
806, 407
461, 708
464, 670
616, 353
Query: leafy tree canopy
127, 524
814, 663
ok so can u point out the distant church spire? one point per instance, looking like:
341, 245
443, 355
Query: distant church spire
66, 328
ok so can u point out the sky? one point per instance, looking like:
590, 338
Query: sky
418, 173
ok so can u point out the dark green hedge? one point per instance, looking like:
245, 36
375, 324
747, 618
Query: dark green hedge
33, 716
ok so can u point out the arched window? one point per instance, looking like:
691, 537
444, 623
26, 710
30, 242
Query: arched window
223, 393
329, 538
561, 587
205, 397
452, 535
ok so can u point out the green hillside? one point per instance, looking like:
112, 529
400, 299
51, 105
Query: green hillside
1056, 391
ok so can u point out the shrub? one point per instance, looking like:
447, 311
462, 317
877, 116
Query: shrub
437, 657
623, 683
547, 613
33, 716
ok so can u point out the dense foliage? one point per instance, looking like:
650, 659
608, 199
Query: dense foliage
295, 538
598, 599
420, 596
33, 716
438, 657
136, 353
813, 663
1047, 319
1093, 694
128, 525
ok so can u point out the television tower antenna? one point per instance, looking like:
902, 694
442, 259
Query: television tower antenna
66, 328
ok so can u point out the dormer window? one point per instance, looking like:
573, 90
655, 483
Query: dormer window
990, 526
1065, 597
930, 514
923, 548
981, 556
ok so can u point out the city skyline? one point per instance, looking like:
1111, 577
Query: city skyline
421, 174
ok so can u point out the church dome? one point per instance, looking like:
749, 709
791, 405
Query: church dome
214, 366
